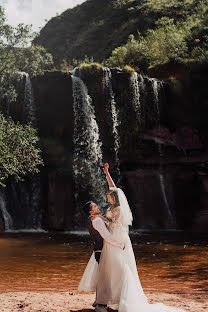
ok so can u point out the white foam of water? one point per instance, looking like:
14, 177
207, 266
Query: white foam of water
8, 223
136, 87
87, 145
114, 111
31, 118
29, 102
156, 85
78, 233
27, 231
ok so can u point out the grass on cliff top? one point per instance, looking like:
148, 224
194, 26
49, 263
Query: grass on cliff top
129, 70
94, 66
91, 70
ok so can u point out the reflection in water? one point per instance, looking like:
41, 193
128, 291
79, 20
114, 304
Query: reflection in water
55, 262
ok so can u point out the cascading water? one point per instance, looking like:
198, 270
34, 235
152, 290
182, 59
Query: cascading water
156, 86
34, 196
31, 116
25, 204
8, 223
107, 80
136, 87
87, 145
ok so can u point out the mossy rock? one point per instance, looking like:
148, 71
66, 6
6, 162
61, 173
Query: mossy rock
91, 71
129, 71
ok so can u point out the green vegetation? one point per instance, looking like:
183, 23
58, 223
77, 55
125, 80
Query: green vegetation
91, 70
133, 53
16, 56
90, 67
140, 34
66, 66
129, 70
18, 152
168, 42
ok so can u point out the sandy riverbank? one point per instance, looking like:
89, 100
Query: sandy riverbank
78, 302
41, 273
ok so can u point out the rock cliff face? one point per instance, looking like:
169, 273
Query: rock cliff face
160, 140
53, 97
1, 224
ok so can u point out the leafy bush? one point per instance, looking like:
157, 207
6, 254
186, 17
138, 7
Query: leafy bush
18, 152
66, 66
200, 53
133, 54
166, 43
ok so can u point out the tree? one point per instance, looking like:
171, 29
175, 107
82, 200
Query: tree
165, 43
133, 53
17, 55
18, 152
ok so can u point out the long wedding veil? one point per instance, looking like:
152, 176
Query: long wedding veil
125, 218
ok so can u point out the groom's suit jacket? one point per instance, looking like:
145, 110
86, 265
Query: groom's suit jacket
95, 236
99, 232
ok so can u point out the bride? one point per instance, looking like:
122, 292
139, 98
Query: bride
116, 279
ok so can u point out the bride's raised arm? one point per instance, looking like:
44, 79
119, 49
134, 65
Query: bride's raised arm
123, 213
108, 176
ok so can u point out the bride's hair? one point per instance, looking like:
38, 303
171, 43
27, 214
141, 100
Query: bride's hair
114, 195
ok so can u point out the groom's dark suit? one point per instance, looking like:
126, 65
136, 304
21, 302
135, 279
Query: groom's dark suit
96, 239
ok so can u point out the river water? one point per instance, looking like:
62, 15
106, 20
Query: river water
167, 262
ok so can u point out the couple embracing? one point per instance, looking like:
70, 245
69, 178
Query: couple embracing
111, 270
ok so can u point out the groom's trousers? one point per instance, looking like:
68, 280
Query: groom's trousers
97, 256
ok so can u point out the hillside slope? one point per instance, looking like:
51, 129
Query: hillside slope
96, 27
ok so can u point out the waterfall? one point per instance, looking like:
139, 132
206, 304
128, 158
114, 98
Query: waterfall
34, 196
36, 216
88, 156
8, 223
136, 87
31, 116
156, 86
24, 197
114, 112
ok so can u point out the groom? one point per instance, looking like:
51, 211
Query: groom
99, 232
92, 209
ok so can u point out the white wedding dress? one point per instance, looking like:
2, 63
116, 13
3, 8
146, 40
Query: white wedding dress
116, 279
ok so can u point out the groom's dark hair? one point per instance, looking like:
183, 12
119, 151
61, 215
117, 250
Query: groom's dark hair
87, 207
